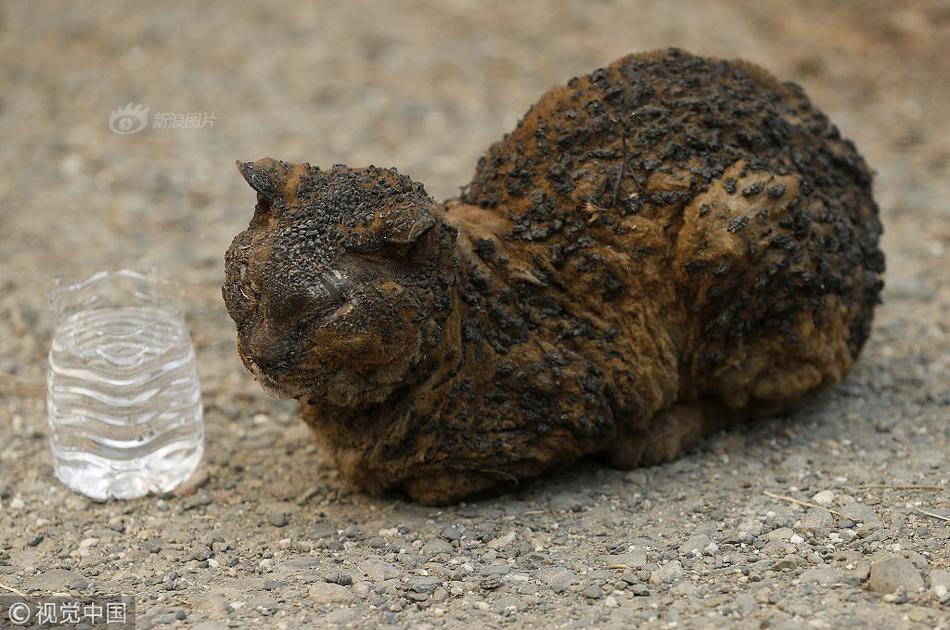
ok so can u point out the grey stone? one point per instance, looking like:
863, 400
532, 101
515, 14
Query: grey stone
919, 561
790, 561
567, 501
780, 516
630, 577
451, 532
436, 546
502, 541
890, 572
329, 593
816, 520
780, 534
746, 603
668, 573
495, 570
197, 501
775, 548
558, 579
695, 545
749, 529
508, 604
861, 513
424, 584
940, 585
337, 577
823, 576
56, 580
594, 591
636, 477
201, 552
632, 559
862, 571
640, 590
378, 569
342, 617
939, 576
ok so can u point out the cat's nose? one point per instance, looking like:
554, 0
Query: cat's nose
266, 352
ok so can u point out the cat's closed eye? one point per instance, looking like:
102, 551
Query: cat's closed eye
381, 248
326, 293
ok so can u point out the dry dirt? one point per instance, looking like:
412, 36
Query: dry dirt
266, 536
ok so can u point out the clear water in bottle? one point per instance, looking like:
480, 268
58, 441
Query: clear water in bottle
124, 401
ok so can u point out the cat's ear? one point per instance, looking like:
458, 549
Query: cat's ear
266, 176
276, 182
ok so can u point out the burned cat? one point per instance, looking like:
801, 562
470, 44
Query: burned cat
659, 249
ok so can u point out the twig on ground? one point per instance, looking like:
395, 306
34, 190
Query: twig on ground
309, 494
889, 486
13, 590
933, 515
782, 497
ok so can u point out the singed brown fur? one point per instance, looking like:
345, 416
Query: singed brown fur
664, 247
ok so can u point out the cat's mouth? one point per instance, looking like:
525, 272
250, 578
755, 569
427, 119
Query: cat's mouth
278, 387
272, 386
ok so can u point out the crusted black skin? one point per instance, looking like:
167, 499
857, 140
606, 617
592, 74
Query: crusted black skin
661, 248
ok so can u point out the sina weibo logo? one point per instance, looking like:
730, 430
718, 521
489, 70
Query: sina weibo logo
128, 119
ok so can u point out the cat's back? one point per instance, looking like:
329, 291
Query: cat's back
599, 139
699, 194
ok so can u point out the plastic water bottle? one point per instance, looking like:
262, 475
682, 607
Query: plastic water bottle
123, 398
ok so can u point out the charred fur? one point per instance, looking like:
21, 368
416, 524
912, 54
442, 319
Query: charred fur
661, 248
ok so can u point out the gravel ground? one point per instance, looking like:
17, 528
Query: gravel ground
265, 535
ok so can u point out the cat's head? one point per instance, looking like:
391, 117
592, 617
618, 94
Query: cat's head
340, 283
